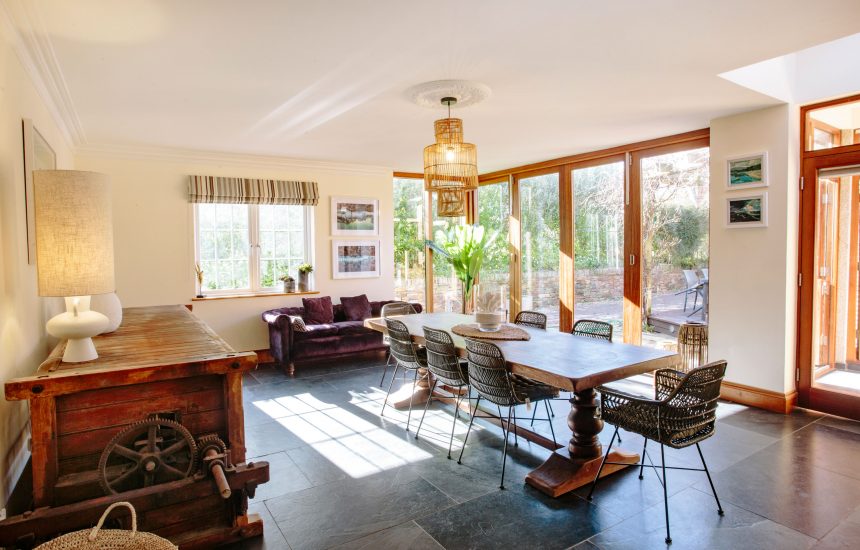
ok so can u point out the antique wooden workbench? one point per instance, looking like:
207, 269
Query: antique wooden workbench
106, 430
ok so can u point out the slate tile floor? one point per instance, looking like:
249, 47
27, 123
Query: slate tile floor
343, 477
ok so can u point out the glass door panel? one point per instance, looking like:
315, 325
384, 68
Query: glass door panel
409, 240
494, 210
598, 202
674, 262
539, 237
834, 337
447, 289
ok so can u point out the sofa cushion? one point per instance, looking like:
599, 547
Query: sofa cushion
318, 311
298, 323
356, 308
317, 331
346, 328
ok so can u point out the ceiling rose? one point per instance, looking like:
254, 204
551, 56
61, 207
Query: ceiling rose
430, 94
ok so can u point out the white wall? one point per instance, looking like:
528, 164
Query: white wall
754, 270
23, 342
153, 232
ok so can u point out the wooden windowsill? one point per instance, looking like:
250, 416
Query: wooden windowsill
260, 295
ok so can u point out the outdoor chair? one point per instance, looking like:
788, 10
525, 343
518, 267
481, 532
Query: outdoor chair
492, 380
533, 319
408, 355
447, 367
693, 287
389, 310
682, 413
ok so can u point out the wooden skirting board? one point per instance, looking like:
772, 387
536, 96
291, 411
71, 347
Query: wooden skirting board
757, 397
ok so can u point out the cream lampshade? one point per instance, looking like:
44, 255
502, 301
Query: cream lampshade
74, 252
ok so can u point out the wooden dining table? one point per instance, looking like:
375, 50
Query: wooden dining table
575, 364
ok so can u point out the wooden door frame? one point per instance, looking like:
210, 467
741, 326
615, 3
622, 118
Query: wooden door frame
831, 401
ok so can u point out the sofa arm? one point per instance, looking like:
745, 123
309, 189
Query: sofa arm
280, 337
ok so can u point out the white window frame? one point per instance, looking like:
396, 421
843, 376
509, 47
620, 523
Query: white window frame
253, 251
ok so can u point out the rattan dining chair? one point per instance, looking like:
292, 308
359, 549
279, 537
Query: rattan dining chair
682, 413
693, 345
388, 310
533, 319
448, 368
408, 355
492, 380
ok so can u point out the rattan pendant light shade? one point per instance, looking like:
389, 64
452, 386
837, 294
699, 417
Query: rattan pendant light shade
450, 164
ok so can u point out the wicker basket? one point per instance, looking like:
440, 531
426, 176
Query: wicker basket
109, 539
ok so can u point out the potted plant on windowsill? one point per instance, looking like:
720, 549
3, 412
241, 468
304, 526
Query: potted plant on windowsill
289, 284
305, 270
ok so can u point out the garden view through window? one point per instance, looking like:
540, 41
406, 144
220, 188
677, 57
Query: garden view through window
249, 247
409, 252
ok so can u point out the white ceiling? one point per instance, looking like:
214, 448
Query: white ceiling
326, 79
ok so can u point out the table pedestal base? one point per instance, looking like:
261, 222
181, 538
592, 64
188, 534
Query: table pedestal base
561, 474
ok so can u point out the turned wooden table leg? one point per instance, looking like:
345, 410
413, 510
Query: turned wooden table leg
585, 424
563, 471
400, 399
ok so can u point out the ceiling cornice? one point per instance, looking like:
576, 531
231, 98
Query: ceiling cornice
192, 156
33, 46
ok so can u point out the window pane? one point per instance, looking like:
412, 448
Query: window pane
674, 244
598, 200
834, 126
223, 241
409, 240
494, 208
282, 242
539, 208
447, 289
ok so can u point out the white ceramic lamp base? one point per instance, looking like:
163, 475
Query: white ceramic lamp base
78, 325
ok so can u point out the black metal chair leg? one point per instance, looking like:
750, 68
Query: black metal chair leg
516, 439
505, 451
602, 463
713, 489
469, 429
642, 460
549, 418
665, 493
534, 413
390, 384
387, 365
414, 385
427, 404
454, 425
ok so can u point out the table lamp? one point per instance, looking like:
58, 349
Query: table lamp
74, 253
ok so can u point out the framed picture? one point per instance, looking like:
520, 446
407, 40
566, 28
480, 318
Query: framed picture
747, 211
38, 155
747, 171
354, 216
354, 259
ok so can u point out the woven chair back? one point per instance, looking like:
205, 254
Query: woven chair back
397, 308
442, 358
488, 372
534, 319
400, 342
693, 345
593, 329
690, 413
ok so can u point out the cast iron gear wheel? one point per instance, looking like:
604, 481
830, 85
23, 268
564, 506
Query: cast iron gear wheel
147, 453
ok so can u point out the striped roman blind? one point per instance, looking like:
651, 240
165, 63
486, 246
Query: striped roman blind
214, 189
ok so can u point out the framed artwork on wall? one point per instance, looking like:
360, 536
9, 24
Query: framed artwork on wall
354, 216
355, 259
38, 155
747, 211
746, 171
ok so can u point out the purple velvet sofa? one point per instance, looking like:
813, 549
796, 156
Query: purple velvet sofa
340, 337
